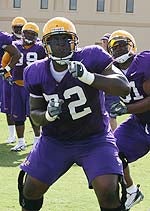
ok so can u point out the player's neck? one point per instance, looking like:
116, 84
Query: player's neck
126, 64
58, 67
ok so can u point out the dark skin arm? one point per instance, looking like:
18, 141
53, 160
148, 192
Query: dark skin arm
38, 107
142, 105
112, 81
14, 53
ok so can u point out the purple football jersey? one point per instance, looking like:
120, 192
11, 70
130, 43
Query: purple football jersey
5, 39
133, 135
137, 73
28, 56
19, 95
83, 111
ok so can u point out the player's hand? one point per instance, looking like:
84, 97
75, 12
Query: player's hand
54, 108
118, 109
10, 80
2, 71
78, 70
6, 75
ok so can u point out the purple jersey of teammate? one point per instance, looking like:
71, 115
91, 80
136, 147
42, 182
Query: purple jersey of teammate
133, 135
20, 109
28, 56
5, 39
137, 73
83, 105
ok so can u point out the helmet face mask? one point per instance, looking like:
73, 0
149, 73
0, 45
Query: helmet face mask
60, 39
29, 37
30, 33
121, 46
17, 30
17, 24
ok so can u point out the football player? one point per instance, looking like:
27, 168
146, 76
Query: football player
30, 52
17, 24
109, 99
6, 46
133, 135
67, 99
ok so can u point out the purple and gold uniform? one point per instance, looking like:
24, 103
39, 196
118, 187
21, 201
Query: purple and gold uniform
5, 39
6, 99
82, 134
19, 96
136, 130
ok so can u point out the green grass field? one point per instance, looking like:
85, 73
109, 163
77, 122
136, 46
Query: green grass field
71, 192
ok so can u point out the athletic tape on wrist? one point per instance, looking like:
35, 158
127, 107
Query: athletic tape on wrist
49, 118
87, 77
7, 68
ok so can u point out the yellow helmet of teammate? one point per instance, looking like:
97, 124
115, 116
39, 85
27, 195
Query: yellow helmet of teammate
30, 33
120, 38
17, 24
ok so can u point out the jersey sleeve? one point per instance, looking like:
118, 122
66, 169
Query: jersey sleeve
95, 58
32, 81
145, 64
6, 40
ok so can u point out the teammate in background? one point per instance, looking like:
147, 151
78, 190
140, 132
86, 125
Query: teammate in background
17, 24
30, 52
109, 99
133, 135
6, 45
67, 99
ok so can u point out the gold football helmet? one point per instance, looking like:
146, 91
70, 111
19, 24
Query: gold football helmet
122, 36
31, 26
18, 21
17, 24
57, 26
30, 33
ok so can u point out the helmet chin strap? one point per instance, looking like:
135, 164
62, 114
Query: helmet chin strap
62, 61
19, 36
122, 59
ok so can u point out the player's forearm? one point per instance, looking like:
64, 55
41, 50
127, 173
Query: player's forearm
112, 84
38, 118
139, 107
15, 56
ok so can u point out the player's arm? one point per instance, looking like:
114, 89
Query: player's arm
142, 105
38, 110
14, 54
111, 81
42, 112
